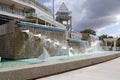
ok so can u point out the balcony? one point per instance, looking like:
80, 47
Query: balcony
31, 15
9, 9
37, 5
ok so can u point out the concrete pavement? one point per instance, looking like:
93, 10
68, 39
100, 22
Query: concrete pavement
105, 71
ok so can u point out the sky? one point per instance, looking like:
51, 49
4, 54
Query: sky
103, 16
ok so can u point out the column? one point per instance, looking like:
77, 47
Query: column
45, 23
106, 45
67, 22
51, 24
36, 21
0, 59
114, 49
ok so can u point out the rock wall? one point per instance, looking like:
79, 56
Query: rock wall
18, 44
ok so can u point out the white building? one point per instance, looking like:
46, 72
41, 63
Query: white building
27, 10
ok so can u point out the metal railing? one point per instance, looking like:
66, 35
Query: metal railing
35, 5
31, 15
12, 10
16, 11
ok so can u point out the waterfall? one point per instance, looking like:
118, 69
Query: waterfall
38, 35
70, 53
0, 59
27, 31
45, 54
49, 40
95, 46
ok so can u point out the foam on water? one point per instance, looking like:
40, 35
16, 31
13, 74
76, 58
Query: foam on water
27, 31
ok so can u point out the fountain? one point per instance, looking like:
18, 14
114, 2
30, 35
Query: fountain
29, 43
95, 46
26, 31
48, 44
45, 54
32, 40
38, 35
50, 47
64, 50
56, 45
70, 52
48, 40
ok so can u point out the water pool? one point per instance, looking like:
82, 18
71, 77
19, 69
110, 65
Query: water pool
25, 62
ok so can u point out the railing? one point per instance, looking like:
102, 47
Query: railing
31, 15
35, 5
9, 9
27, 1
16, 11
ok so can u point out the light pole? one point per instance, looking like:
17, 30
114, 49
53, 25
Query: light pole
53, 8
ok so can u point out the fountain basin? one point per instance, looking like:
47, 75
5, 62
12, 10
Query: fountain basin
46, 69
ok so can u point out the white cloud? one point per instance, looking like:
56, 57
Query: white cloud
118, 17
74, 6
108, 30
48, 4
116, 34
96, 14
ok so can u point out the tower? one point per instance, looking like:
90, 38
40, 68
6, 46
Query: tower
64, 16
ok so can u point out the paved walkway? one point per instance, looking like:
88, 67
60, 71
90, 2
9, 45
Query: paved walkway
105, 71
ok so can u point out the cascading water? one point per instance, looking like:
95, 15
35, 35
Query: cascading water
54, 48
49, 40
70, 53
45, 54
56, 43
27, 31
95, 46
64, 50
0, 58
38, 35
67, 51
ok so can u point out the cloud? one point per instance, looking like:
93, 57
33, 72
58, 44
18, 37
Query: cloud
113, 30
116, 34
98, 14
95, 14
